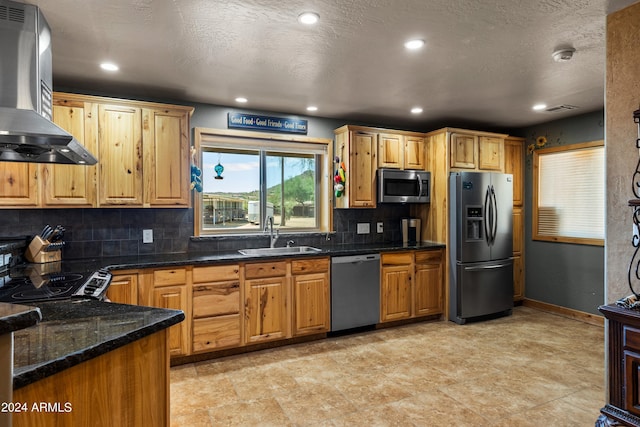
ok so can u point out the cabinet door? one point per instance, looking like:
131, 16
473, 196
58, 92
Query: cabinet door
266, 312
490, 153
120, 155
518, 230
174, 297
166, 158
213, 333
429, 283
311, 303
390, 151
123, 289
18, 184
361, 177
395, 299
518, 278
72, 185
463, 151
414, 157
514, 164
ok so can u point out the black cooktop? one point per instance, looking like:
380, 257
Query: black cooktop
51, 281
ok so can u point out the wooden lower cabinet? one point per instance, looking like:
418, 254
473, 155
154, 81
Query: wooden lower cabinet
174, 297
429, 283
215, 308
311, 296
123, 288
266, 301
411, 284
128, 386
266, 309
395, 299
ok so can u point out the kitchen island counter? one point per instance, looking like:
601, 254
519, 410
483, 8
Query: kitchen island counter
77, 330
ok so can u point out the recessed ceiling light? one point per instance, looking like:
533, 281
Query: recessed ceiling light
416, 110
308, 18
312, 108
109, 66
414, 44
241, 99
539, 107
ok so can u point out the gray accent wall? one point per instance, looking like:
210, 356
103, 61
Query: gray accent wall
568, 275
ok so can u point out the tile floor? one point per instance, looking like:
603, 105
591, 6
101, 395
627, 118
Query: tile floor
529, 369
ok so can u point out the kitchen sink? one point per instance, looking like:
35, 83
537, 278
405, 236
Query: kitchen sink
279, 251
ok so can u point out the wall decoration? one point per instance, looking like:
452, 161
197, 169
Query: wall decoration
267, 123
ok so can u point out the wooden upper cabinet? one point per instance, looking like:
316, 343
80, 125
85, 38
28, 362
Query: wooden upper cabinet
414, 157
166, 157
463, 151
490, 153
18, 184
120, 154
75, 185
390, 151
514, 164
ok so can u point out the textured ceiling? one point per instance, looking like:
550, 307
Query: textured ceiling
484, 63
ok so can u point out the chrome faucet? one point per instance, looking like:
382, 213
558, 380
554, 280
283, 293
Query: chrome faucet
269, 225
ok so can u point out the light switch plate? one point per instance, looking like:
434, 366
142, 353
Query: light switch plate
380, 227
364, 228
147, 236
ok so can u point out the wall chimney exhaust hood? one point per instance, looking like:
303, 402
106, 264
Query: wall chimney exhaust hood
27, 133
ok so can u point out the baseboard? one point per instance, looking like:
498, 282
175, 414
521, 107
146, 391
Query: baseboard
582, 316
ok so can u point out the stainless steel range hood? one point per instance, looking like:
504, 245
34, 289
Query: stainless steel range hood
27, 133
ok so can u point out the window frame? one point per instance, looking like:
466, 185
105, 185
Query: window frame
535, 235
205, 137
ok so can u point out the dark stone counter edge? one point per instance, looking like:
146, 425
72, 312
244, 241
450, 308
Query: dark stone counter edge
20, 320
33, 373
182, 259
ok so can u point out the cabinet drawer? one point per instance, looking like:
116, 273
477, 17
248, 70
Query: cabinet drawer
401, 258
428, 257
631, 338
215, 273
174, 276
310, 266
216, 298
216, 332
265, 269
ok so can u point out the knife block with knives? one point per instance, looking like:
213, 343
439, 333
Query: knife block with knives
46, 247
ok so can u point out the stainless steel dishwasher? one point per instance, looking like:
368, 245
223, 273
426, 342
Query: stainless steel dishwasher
355, 291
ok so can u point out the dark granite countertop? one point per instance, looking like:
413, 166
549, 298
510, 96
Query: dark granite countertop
14, 317
167, 260
74, 331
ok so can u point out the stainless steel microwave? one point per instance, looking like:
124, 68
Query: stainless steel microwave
404, 186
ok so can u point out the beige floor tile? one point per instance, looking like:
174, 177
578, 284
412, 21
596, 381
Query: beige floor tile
313, 402
259, 412
532, 368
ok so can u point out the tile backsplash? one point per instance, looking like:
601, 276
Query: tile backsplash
118, 232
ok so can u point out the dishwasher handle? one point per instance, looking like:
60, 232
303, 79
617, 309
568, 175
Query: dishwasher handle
352, 259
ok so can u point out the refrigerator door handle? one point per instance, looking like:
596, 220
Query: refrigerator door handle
488, 267
494, 216
487, 229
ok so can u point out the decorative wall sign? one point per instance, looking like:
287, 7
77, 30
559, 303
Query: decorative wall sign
273, 124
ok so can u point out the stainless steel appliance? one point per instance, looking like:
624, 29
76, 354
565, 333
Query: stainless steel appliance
404, 186
355, 291
26, 108
480, 245
411, 229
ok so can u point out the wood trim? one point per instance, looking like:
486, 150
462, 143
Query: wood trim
592, 319
466, 131
199, 131
75, 97
354, 128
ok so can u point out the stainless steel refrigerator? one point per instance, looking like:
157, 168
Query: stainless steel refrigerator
480, 245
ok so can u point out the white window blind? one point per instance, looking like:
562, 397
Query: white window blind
570, 194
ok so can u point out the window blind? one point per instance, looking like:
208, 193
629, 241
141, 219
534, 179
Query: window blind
570, 193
